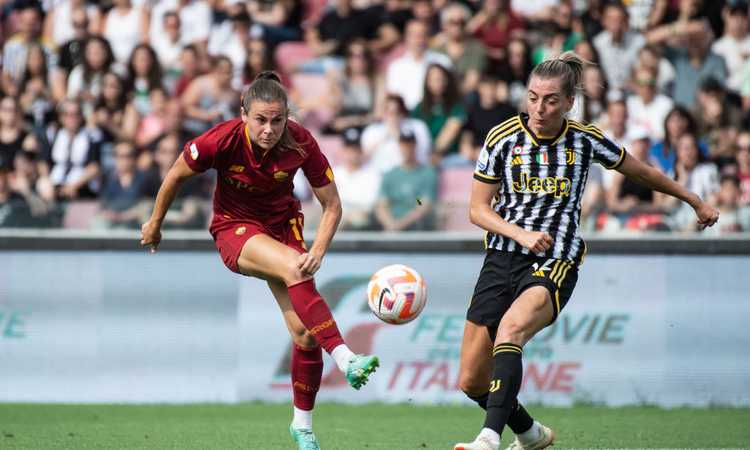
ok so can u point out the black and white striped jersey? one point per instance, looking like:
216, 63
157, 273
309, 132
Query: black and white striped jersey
541, 181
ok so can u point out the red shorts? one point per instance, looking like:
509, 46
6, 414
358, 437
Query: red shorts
230, 236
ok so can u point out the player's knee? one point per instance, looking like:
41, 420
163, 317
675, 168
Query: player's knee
471, 383
303, 338
291, 274
512, 331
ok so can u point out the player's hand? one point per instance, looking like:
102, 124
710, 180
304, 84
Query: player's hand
536, 241
707, 215
309, 263
151, 234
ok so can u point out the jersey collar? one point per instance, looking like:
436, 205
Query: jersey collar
544, 141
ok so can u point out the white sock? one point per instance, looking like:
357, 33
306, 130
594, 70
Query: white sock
489, 433
531, 434
341, 354
302, 419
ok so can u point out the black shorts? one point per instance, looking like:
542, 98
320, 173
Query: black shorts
505, 275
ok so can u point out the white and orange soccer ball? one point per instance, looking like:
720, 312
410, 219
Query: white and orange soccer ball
396, 294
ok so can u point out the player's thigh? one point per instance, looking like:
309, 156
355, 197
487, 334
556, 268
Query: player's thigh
296, 328
529, 313
476, 359
265, 257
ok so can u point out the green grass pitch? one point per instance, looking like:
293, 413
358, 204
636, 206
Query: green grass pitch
340, 427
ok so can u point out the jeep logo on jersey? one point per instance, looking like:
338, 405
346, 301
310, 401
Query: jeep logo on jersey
193, 151
280, 175
558, 186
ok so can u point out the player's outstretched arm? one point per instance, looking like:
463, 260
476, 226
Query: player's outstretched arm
648, 176
151, 230
329, 199
482, 215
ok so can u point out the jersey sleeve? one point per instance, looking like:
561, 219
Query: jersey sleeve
200, 153
489, 165
607, 152
316, 168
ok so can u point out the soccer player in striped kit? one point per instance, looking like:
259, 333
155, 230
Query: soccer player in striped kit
257, 227
535, 166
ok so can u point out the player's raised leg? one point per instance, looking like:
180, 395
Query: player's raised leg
265, 257
528, 314
306, 370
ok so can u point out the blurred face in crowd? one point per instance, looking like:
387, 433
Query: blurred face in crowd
96, 54
585, 50
689, 8
189, 61
736, 24
743, 151
517, 54
645, 84
648, 58
453, 21
70, 116
487, 90
617, 115
564, 16
416, 36
80, 23
224, 72
8, 112
422, 10
265, 123
593, 82
615, 21
172, 26
111, 87
729, 192
29, 21
124, 158
640, 148
167, 151
24, 165
256, 54
142, 61
408, 151
352, 155
676, 125
35, 61
436, 81
687, 151
546, 105
392, 111
356, 58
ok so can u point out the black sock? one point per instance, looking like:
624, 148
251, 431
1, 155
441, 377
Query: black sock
480, 399
519, 420
504, 386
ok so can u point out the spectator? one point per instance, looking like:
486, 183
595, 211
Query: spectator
484, 114
728, 204
186, 211
36, 190
336, 29
591, 19
466, 53
85, 81
647, 108
516, 72
13, 137
734, 46
37, 86
388, 21
441, 109
210, 98
742, 158
61, 19
405, 75
678, 122
697, 175
189, 69
114, 115
380, 139
650, 57
408, 192
72, 50
615, 123
168, 48
617, 46
195, 18
16, 48
586, 50
592, 103
279, 20
258, 59
352, 93
424, 11
536, 12
144, 75
718, 120
74, 157
14, 211
157, 121
123, 190
358, 185
231, 40
125, 26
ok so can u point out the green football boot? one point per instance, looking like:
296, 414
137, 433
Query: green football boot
304, 438
359, 369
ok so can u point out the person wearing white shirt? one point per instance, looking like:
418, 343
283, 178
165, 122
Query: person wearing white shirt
230, 39
358, 184
168, 45
405, 75
648, 109
380, 140
617, 46
734, 46
195, 17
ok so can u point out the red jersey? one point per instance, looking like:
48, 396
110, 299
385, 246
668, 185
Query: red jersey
251, 184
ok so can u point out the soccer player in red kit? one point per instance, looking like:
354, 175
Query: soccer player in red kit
257, 227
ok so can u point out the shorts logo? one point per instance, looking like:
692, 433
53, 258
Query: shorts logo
237, 168
495, 385
193, 151
280, 175
240, 231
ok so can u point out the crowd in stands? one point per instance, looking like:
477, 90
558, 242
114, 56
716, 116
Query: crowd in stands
97, 99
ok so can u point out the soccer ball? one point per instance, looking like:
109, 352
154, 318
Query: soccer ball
396, 294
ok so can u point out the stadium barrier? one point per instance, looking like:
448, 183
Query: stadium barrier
93, 318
